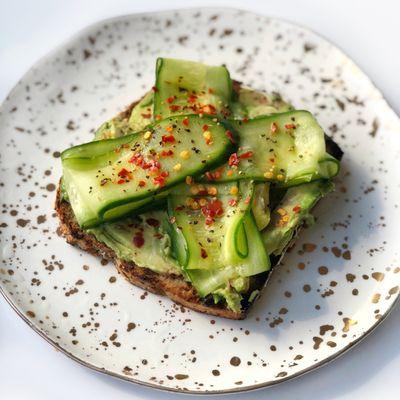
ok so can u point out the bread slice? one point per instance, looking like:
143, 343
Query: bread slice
171, 285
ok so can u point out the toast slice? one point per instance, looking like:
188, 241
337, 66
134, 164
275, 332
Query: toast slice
171, 285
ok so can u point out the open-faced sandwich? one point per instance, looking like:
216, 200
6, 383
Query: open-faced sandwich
197, 190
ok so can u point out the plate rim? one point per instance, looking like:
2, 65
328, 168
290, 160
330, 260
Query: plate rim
161, 387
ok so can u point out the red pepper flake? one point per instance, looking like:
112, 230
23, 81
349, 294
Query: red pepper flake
297, 209
230, 136
209, 176
290, 126
174, 107
159, 180
152, 165
247, 200
233, 160
247, 154
274, 127
154, 89
214, 176
205, 127
138, 239
155, 223
142, 183
209, 221
185, 121
146, 116
168, 138
203, 253
212, 209
232, 202
123, 173
192, 98
136, 159
208, 109
167, 153
121, 181
158, 117
171, 99
245, 119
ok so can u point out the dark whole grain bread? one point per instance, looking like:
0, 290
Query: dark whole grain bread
171, 285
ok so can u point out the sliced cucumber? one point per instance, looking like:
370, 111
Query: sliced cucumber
260, 205
207, 220
287, 149
187, 87
292, 210
103, 175
251, 103
215, 255
208, 280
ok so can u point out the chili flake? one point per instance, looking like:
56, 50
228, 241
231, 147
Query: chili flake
211, 210
168, 138
297, 209
233, 160
167, 153
208, 137
232, 202
159, 180
247, 154
203, 253
155, 223
213, 176
230, 136
174, 107
124, 173
208, 109
192, 98
138, 239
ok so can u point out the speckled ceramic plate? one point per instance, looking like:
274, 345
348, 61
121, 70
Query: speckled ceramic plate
338, 282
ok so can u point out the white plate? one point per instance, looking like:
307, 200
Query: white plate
336, 285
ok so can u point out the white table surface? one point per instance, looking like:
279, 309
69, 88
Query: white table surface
367, 30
